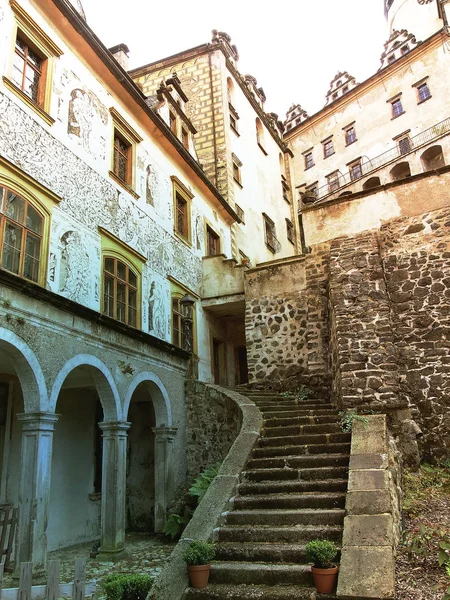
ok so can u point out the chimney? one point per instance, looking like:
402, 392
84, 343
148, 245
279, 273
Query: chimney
120, 53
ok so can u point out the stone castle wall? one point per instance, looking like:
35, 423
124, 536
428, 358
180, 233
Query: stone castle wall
371, 312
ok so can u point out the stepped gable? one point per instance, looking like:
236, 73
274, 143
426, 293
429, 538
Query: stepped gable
339, 86
294, 116
292, 491
399, 44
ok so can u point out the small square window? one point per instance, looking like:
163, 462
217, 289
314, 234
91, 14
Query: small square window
185, 138
404, 145
350, 136
237, 176
423, 92
212, 242
397, 108
234, 117
309, 160
122, 158
285, 188
333, 182
270, 234
391, 59
405, 49
125, 139
355, 170
240, 213
181, 210
28, 71
328, 148
290, 231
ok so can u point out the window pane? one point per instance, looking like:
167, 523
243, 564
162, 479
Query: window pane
121, 271
12, 247
15, 208
109, 265
132, 312
132, 279
121, 314
31, 263
18, 69
34, 59
108, 298
31, 83
34, 220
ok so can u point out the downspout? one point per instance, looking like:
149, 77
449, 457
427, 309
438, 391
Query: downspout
216, 170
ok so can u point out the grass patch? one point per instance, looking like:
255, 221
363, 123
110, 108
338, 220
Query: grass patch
431, 481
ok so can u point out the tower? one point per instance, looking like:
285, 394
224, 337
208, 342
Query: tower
419, 17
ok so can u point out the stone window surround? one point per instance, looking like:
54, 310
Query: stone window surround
269, 233
394, 101
178, 188
306, 155
328, 150
177, 291
211, 231
237, 174
418, 85
132, 138
354, 163
32, 34
346, 129
290, 231
233, 119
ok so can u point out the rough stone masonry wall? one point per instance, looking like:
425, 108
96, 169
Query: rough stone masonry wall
214, 421
364, 356
286, 322
416, 256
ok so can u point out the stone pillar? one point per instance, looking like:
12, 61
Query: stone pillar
112, 541
164, 437
34, 487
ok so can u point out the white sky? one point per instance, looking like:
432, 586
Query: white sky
294, 48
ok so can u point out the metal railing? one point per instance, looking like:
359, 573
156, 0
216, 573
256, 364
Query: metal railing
368, 166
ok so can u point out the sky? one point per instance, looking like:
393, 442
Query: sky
294, 48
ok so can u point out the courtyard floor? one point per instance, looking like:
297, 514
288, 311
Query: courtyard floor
144, 554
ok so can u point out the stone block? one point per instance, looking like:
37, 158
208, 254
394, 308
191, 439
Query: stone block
366, 573
368, 530
369, 442
370, 479
368, 461
371, 502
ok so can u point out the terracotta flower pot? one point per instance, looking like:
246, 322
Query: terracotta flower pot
199, 575
325, 579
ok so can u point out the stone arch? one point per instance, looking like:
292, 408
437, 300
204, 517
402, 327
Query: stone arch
372, 182
432, 158
28, 370
159, 395
400, 171
104, 383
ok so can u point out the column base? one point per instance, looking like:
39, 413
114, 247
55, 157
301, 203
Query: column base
109, 555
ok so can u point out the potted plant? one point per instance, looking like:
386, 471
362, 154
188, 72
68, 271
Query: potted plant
322, 554
198, 556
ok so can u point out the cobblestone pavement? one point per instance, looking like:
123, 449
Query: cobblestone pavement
144, 554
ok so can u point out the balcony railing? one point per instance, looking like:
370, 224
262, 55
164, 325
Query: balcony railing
404, 147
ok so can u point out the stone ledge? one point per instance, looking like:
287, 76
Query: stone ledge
368, 502
368, 530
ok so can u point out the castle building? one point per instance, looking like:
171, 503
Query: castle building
133, 205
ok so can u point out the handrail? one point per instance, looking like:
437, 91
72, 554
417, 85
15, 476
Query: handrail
370, 165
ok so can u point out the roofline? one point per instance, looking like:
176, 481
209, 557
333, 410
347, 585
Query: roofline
133, 90
354, 91
172, 57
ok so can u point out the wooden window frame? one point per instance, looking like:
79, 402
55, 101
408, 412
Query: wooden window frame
181, 192
270, 233
210, 232
394, 108
30, 33
348, 140
423, 84
123, 131
290, 234
233, 119
177, 291
309, 160
328, 147
332, 179
129, 287
237, 173
353, 165
113, 247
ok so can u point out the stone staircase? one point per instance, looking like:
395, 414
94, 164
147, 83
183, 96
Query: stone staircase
293, 490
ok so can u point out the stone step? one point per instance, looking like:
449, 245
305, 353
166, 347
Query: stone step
300, 474
307, 426
255, 592
297, 450
284, 462
299, 412
293, 405
300, 534
280, 501
267, 552
279, 487
305, 438
330, 516
260, 573
291, 421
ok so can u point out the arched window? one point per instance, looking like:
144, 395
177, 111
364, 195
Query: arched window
120, 291
22, 227
260, 134
400, 171
371, 183
432, 158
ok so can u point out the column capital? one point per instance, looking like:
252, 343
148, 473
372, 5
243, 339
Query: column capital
113, 427
42, 421
164, 433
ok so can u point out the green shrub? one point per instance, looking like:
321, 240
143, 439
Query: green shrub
175, 523
203, 481
322, 553
199, 553
348, 417
123, 586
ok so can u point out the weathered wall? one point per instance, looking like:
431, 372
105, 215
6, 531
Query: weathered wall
214, 421
416, 255
286, 323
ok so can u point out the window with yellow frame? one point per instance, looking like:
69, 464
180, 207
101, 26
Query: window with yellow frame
182, 197
25, 211
182, 336
121, 280
32, 61
123, 153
